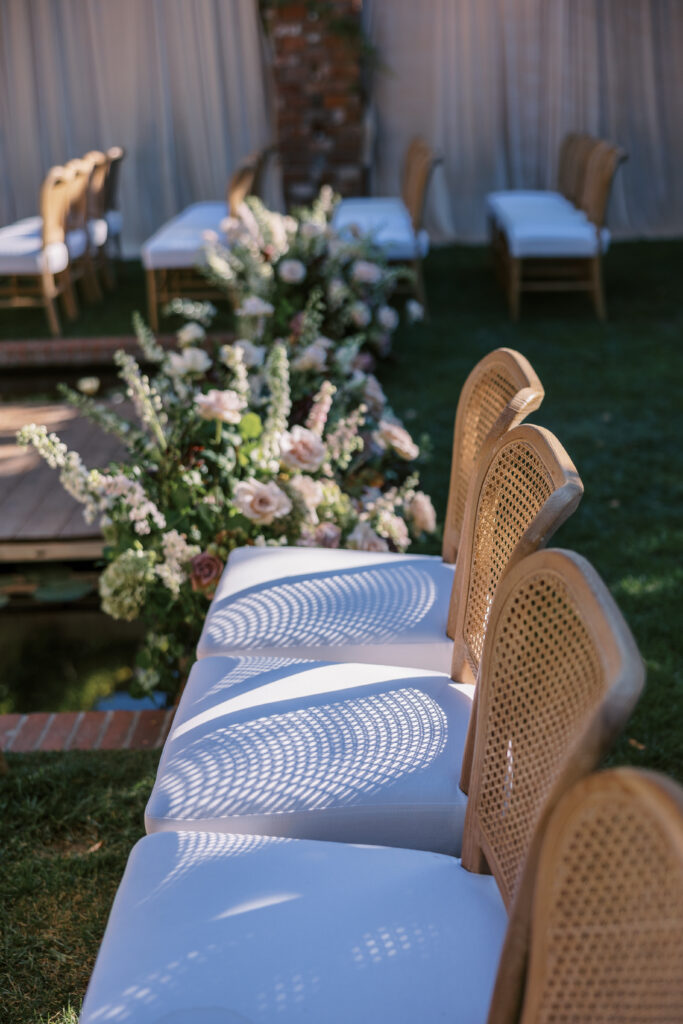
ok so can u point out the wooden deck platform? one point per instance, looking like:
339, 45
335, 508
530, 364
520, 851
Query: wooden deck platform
39, 521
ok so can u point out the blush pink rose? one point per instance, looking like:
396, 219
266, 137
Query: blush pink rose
261, 502
205, 572
300, 448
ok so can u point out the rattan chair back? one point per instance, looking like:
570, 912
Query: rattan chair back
560, 675
99, 165
500, 392
78, 193
565, 182
601, 167
115, 155
241, 184
420, 160
55, 198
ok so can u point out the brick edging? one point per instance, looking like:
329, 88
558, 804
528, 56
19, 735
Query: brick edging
84, 730
24, 354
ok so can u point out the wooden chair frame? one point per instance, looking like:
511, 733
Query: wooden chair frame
30, 290
419, 164
96, 209
593, 165
83, 268
499, 392
479, 570
115, 155
585, 831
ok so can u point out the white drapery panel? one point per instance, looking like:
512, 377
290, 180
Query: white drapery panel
181, 85
494, 85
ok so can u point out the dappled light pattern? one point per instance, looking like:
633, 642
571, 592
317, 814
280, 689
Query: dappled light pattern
307, 759
359, 606
234, 673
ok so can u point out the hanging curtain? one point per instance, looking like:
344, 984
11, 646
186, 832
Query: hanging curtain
495, 84
181, 84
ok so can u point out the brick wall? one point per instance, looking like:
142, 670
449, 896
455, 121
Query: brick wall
319, 103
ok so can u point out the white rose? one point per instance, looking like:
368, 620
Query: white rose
360, 314
393, 435
422, 514
300, 448
388, 318
190, 360
220, 405
291, 271
365, 272
310, 491
261, 502
190, 333
252, 355
254, 306
364, 538
314, 357
414, 311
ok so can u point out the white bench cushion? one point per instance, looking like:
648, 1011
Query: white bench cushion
76, 243
220, 929
387, 221
114, 222
317, 750
98, 231
23, 254
26, 226
528, 203
559, 237
180, 242
332, 604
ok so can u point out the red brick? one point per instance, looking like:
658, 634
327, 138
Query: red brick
88, 731
9, 725
59, 731
147, 732
30, 733
118, 730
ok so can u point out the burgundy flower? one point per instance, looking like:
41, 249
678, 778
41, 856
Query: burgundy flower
206, 572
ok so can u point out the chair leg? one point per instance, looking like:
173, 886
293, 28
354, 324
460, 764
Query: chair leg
91, 285
420, 290
514, 285
152, 310
69, 296
108, 275
49, 295
597, 289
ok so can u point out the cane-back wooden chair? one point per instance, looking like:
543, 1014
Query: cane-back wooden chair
34, 262
606, 926
112, 214
501, 391
414, 935
98, 228
83, 262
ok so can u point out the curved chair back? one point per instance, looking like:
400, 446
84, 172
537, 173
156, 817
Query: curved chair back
499, 393
78, 193
241, 183
559, 678
565, 181
576, 164
600, 170
263, 158
115, 155
99, 165
606, 928
55, 198
418, 164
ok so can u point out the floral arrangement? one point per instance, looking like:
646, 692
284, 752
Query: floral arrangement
219, 454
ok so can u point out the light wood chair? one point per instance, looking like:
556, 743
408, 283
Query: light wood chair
501, 391
78, 238
34, 256
98, 228
306, 930
525, 488
606, 911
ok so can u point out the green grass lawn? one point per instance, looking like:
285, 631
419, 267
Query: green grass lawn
613, 397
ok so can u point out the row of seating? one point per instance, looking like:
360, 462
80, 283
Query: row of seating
41, 257
554, 241
306, 816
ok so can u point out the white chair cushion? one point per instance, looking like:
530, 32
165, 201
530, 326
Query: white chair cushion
220, 929
23, 254
26, 226
98, 231
114, 222
528, 203
559, 236
332, 604
76, 243
180, 242
317, 750
387, 221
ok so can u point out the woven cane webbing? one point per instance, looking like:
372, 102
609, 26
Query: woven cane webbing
545, 681
515, 489
607, 927
499, 392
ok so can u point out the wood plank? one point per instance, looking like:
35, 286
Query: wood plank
51, 551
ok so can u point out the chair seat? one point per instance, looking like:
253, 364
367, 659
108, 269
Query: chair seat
23, 254
179, 243
25, 226
98, 231
560, 237
76, 243
332, 604
387, 221
114, 222
528, 202
223, 929
316, 750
